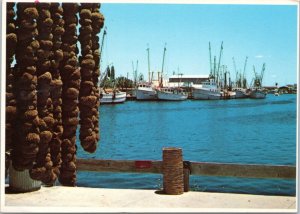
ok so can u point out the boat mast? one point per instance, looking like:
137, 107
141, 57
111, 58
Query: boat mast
221, 50
162, 67
214, 67
102, 76
237, 81
135, 72
102, 43
244, 74
148, 50
100, 59
262, 73
210, 58
256, 79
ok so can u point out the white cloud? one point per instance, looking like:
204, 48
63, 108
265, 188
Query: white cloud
259, 56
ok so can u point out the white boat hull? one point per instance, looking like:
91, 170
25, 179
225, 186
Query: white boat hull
146, 94
240, 94
228, 95
111, 98
203, 94
257, 94
171, 96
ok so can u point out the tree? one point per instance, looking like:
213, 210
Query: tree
112, 73
141, 77
123, 83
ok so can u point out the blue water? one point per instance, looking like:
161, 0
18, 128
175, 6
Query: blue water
227, 131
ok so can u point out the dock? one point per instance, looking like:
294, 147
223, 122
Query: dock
82, 199
172, 198
87, 199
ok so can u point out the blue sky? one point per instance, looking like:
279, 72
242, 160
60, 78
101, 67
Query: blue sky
264, 33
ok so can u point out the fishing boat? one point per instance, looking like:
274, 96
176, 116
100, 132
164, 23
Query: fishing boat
107, 80
113, 97
209, 90
257, 93
227, 94
171, 94
241, 93
145, 91
240, 88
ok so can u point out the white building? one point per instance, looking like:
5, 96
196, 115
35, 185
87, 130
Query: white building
186, 80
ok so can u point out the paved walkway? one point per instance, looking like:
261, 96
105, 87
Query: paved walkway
80, 199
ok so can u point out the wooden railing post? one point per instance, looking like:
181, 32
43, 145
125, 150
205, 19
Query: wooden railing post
172, 168
186, 175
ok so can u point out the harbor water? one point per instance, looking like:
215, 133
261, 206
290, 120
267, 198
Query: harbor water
244, 131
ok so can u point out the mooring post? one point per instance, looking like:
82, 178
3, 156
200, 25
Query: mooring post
172, 167
186, 175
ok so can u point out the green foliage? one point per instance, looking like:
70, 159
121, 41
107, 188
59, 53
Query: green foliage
108, 71
107, 83
141, 77
112, 73
123, 82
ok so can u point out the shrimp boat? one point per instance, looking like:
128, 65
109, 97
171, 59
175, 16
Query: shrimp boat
145, 91
209, 90
257, 92
241, 93
172, 94
113, 97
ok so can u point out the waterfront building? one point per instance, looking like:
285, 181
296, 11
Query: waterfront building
187, 81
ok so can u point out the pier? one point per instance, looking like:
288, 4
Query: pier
174, 197
82, 199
